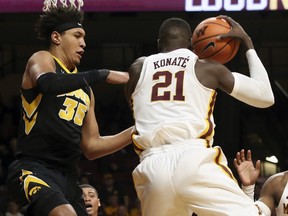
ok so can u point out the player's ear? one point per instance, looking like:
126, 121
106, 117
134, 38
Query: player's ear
55, 37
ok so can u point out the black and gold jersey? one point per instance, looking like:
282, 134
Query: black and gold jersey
50, 128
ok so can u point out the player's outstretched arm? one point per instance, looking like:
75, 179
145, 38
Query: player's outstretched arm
93, 145
117, 77
256, 89
268, 199
248, 173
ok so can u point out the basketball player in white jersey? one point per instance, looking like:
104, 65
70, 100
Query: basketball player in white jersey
274, 193
172, 96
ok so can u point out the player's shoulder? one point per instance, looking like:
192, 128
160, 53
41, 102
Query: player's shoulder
211, 66
41, 53
138, 62
40, 56
278, 179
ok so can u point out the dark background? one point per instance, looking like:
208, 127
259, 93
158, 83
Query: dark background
114, 40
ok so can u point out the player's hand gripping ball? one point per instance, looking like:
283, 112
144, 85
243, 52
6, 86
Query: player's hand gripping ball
207, 46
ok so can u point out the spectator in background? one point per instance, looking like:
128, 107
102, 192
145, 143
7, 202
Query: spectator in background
9, 155
3, 153
109, 188
91, 199
122, 211
85, 179
13, 209
135, 209
112, 205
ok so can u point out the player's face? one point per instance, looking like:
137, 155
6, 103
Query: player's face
73, 44
91, 200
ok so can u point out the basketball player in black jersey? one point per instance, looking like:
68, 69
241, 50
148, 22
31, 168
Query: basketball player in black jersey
58, 120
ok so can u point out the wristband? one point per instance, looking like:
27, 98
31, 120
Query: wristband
249, 190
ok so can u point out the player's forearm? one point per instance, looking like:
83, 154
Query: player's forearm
247, 42
109, 144
256, 89
117, 77
52, 83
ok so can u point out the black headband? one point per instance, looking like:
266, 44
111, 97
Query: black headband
66, 26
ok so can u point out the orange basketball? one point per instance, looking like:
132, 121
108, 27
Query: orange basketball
206, 45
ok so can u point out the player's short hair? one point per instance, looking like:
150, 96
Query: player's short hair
88, 186
174, 30
55, 18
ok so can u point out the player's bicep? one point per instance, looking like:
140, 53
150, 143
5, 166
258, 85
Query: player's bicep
267, 194
226, 81
213, 75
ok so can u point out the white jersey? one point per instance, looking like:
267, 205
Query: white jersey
170, 104
282, 208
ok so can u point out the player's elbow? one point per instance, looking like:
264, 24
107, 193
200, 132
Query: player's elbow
268, 102
90, 155
88, 152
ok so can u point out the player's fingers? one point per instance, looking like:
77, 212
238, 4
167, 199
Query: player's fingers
223, 36
249, 155
237, 156
235, 161
258, 165
242, 155
227, 19
223, 17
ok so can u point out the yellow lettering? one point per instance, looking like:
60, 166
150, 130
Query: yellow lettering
73, 109
79, 94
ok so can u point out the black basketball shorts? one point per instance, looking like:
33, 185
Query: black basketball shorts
40, 189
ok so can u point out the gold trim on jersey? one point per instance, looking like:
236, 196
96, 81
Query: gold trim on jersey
30, 112
137, 148
209, 130
225, 168
63, 66
24, 173
73, 109
31, 183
